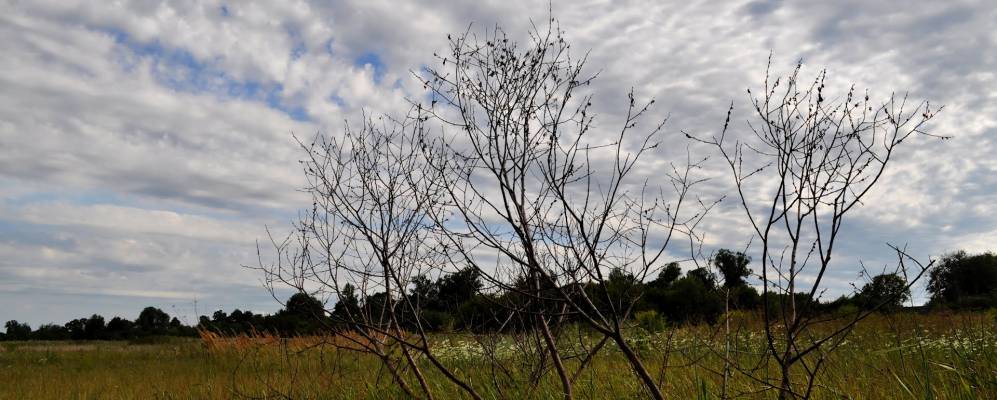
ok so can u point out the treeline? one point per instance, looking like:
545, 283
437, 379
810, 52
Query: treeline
151, 322
456, 302
297, 318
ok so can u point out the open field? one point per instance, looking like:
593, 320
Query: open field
905, 356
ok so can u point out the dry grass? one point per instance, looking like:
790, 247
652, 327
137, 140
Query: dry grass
907, 356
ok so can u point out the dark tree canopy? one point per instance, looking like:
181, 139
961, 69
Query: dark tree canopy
300, 304
17, 330
153, 320
961, 280
50, 332
886, 291
707, 278
668, 275
692, 298
94, 327
348, 305
457, 288
733, 266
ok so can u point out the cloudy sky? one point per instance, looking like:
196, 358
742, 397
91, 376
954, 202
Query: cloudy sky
144, 146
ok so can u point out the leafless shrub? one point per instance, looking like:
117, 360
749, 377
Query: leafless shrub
366, 236
812, 160
536, 194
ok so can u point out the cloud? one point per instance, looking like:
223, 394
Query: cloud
145, 146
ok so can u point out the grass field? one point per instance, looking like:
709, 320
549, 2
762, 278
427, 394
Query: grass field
905, 356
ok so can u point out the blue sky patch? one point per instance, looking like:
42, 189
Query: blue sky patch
180, 70
338, 100
375, 63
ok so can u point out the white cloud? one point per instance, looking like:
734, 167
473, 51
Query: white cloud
133, 220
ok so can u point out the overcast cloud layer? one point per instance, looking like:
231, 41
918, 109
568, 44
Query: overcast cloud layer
144, 147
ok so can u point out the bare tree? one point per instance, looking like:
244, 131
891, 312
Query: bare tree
367, 235
535, 194
813, 160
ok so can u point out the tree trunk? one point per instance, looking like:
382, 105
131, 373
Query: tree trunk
556, 357
638, 366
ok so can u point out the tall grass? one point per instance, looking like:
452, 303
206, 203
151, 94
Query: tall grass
888, 357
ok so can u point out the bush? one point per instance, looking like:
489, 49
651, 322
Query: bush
650, 321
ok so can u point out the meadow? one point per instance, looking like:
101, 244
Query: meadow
903, 356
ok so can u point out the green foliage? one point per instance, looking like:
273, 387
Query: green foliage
94, 327
17, 330
152, 321
961, 280
76, 329
692, 298
155, 323
707, 278
743, 297
779, 303
452, 302
302, 305
303, 314
667, 276
650, 321
119, 328
457, 288
348, 306
887, 291
618, 291
50, 332
733, 266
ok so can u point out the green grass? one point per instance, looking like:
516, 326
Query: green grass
907, 356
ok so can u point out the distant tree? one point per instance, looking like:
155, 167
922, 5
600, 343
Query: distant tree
733, 266
244, 321
424, 292
303, 314
77, 329
94, 327
658, 291
886, 291
691, 299
348, 306
236, 316
483, 314
50, 332
707, 278
459, 287
119, 328
744, 297
17, 330
668, 275
153, 321
449, 302
961, 280
303, 305
375, 306
623, 288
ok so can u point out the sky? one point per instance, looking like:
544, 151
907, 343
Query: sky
146, 146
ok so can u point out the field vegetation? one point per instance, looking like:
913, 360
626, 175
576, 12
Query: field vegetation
898, 356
